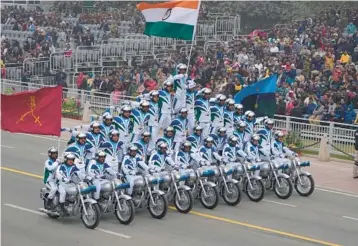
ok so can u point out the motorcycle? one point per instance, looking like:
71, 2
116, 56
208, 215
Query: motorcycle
252, 184
176, 191
229, 188
78, 201
303, 181
204, 189
113, 198
146, 193
273, 178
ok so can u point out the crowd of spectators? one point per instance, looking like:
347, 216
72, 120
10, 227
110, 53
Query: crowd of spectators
315, 60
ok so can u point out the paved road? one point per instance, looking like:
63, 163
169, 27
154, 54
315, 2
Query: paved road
325, 218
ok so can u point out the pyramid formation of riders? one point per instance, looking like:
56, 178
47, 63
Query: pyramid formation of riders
179, 144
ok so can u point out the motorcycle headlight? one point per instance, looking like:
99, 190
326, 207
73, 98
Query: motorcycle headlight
83, 185
228, 170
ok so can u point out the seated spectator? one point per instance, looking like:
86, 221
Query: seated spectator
309, 108
317, 114
338, 113
350, 115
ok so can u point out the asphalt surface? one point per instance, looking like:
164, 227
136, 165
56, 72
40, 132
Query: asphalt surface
325, 218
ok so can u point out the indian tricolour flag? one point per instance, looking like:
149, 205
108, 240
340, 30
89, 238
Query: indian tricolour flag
175, 19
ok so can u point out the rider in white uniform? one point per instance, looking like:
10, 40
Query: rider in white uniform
140, 117
153, 123
133, 166
51, 165
167, 104
180, 86
97, 170
190, 104
180, 125
229, 120
202, 112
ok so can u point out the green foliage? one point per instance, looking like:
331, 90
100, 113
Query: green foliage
293, 140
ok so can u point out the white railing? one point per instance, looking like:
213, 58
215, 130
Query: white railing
340, 136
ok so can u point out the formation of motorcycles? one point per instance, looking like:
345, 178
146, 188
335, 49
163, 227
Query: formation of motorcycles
122, 163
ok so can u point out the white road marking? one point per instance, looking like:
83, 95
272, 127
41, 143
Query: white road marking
334, 191
350, 218
24, 209
9, 147
113, 233
280, 203
43, 214
42, 137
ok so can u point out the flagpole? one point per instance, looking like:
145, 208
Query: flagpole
58, 144
193, 38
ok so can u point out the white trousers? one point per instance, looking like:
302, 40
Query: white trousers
98, 183
62, 189
53, 189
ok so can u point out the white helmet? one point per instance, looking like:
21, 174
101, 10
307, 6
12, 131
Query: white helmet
269, 122
249, 113
230, 101
221, 129
69, 156
255, 137
100, 153
241, 124
113, 132
191, 84
233, 139
184, 110
154, 93
146, 134
168, 82
126, 108
239, 106
144, 103
209, 139
132, 147
207, 91
279, 134
222, 98
81, 135
95, 124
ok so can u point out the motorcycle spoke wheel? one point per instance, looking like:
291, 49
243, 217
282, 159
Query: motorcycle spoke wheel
285, 191
233, 197
307, 187
210, 201
91, 221
125, 215
160, 208
257, 192
185, 203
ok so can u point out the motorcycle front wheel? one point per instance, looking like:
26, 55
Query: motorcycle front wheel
210, 201
125, 215
307, 188
285, 191
231, 195
257, 192
91, 221
185, 203
160, 208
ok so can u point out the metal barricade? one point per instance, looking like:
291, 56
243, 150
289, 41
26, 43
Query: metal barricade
37, 66
138, 44
88, 56
209, 44
205, 30
13, 71
163, 43
61, 61
113, 50
227, 26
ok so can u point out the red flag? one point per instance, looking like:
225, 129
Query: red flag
36, 112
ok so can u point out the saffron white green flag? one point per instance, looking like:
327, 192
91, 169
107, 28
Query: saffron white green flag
175, 19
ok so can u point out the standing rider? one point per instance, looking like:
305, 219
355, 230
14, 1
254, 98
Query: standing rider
153, 122
124, 125
202, 111
106, 125
217, 114
140, 118
114, 150
267, 134
229, 120
167, 103
180, 125
51, 165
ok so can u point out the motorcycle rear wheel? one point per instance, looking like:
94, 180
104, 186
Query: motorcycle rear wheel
310, 180
96, 213
283, 181
125, 216
235, 197
214, 195
186, 208
164, 206
258, 186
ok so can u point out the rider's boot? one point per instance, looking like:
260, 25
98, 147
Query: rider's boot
49, 203
63, 211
